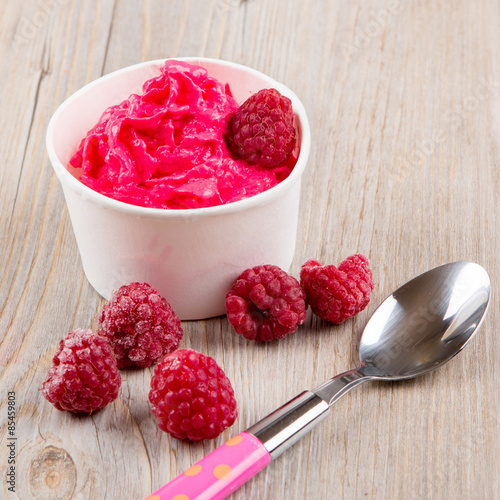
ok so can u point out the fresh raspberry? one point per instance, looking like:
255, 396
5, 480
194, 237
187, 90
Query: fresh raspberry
84, 376
265, 303
140, 325
192, 397
336, 294
261, 130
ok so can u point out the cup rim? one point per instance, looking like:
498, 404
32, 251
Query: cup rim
260, 199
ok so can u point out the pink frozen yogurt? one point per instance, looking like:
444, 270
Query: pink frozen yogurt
165, 148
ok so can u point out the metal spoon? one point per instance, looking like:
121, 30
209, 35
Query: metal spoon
418, 328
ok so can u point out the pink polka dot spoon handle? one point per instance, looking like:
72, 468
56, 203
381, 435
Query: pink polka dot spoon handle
384, 353
220, 473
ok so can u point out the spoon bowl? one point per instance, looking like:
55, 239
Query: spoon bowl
426, 322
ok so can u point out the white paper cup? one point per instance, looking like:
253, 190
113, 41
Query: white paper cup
191, 256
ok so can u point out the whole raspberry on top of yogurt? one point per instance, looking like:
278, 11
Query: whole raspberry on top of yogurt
165, 148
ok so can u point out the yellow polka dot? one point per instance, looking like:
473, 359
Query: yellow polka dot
179, 497
153, 497
234, 441
193, 471
222, 472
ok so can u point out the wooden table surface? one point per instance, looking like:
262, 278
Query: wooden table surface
403, 97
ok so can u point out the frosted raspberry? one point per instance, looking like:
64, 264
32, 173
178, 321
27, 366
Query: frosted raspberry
140, 325
336, 294
192, 397
261, 131
84, 376
265, 303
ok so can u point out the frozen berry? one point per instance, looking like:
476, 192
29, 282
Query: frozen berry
192, 397
261, 130
140, 325
265, 303
336, 294
84, 376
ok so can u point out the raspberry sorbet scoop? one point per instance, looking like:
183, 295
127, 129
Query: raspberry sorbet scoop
265, 303
84, 376
164, 147
336, 294
140, 325
192, 397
